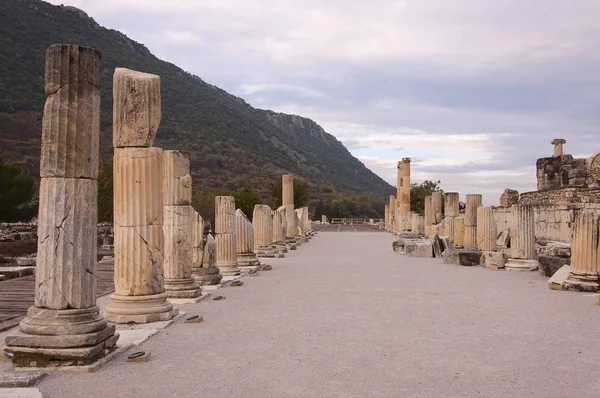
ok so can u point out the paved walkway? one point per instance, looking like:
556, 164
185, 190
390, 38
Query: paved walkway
344, 316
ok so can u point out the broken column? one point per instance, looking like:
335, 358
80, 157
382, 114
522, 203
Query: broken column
558, 146
138, 202
403, 220
486, 229
436, 207
393, 208
287, 194
428, 215
225, 240
64, 326
245, 240
386, 217
585, 253
207, 273
470, 221
178, 228
451, 212
263, 231
417, 224
522, 239
279, 229
459, 231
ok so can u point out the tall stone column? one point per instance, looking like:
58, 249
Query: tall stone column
472, 203
138, 202
436, 207
279, 229
205, 270
386, 219
225, 231
197, 240
558, 146
459, 231
287, 187
428, 215
418, 224
306, 223
64, 326
487, 231
451, 211
244, 234
585, 253
522, 240
393, 208
178, 228
403, 187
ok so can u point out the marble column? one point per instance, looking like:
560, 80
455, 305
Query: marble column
279, 229
225, 239
451, 211
436, 207
244, 234
522, 239
393, 207
262, 222
558, 146
205, 271
197, 241
428, 215
64, 326
386, 219
487, 231
459, 231
287, 187
418, 224
585, 252
138, 202
178, 227
470, 221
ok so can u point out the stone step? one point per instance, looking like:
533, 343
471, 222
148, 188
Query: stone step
16, 272
514, 264
557, 281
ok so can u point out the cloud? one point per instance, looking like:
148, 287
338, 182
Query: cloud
473, 91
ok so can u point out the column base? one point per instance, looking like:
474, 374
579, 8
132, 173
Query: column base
582, 282
269, 252
229, 268
207, 276
247, 260
73, 337
281, 247
182, 288
140, 309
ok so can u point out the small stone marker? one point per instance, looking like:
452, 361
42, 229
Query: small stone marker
557, 280
237, 283
254, 274
267, 267
219, 298
141, 356
194, 319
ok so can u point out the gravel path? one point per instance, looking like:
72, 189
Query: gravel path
344, 316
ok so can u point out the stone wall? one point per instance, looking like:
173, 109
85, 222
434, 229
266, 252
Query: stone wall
559, 172
503, 217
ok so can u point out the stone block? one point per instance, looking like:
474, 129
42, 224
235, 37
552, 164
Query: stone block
503, 238
136, 108
550, 264
558, 279
493, 259
177, 178
418, 248
436, 245
464, 257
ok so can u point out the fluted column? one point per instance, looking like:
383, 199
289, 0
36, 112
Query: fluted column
418, 224
459, 231
472, 203
64, 326
522, 240
428, 215
245, 240
287, 187
138, 202
436, 207
487, 231
262, 222
585, 252
178, 228
386, 217
278, 232
403, 192
451, 211
393, 207
225, 239
198, 240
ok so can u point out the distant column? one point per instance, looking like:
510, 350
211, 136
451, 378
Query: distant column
262, 222
64, 326
428, 215
418, 224
451, 212
585, 256
138, 202
225, 231
472, 203
558, 146
386, 219
287, 186
393, 208
244, 234
436, 207
459, 231
487, 231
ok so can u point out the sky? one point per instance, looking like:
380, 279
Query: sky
472, 91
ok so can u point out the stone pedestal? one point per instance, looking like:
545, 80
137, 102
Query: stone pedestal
470, 238
225, 235
64, 326
138, 202
585, 253
487, 230
245, 241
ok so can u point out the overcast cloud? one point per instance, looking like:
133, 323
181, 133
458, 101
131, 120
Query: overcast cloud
473, 91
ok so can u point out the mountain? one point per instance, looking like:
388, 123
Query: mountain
231, 143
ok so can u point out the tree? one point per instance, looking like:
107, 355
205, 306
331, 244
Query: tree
16, 192
105, 192
245, 200
418, 192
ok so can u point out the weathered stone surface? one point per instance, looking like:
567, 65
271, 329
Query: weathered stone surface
418, 248
262, 222
197, 240
451, 204
523, 233
436, 245
403, 193
558, 279
138, 195
177, 180
509, 197
178, 255
585, 257
557, 249
209, 274
503, 238
494, 259
71, 123
550, 264
436, 207
428, 215
136, 108
459, 231
464, 257
140, 309
486, 229
418, 224
225, 235
558, 146
470, 220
